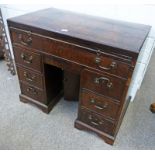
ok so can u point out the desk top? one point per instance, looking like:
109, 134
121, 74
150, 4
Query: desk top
89, 29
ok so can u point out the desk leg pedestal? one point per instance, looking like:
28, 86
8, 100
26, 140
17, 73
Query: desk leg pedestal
82, 126
152, 107
45, 108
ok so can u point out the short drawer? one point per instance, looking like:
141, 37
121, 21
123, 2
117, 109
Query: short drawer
96, 121
28, 58
99, 104
30, 77
101, 83
32, 92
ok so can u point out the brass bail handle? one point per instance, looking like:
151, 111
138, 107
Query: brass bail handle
26, 59
27, 41
96, 104
32, 90
102, 79
113, 64
28, 77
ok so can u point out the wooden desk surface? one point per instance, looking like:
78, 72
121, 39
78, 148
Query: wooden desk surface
89, 29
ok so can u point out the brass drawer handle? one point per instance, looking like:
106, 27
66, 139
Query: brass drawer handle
100, 107
92, 101
102, 79
113, 65
95, 122
25, 42
32, 90
26, 59
29, 78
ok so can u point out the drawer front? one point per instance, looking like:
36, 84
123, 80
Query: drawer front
28, 58
32, 92
30, 77
96, 121
86, 57
26, 38
103, 62
99, 104
109, 86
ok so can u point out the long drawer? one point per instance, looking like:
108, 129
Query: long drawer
99, 104
96, 121
104, 84
91, 58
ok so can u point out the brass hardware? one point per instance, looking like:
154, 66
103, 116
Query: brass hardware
90, 117
97, 60
109, 84
102, 79
94, 123
100, 107
28, 78
92, 100
31, 90
113, 65
105, 105
97, 123
26, 59
25, 42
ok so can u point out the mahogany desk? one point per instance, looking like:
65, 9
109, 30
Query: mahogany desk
85, 57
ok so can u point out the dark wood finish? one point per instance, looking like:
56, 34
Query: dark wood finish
71, 86
83, 126
63, 63
102, 31
122, 112
53, 81
28, 58
99, 104
45, 108
85, 57
33, 92
109, 86
30, 77
96, 121
152, 107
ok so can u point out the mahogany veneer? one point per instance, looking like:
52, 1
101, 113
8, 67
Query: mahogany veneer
90, 59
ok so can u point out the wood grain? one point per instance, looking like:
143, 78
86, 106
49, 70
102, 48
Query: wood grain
89, 58
84, 29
